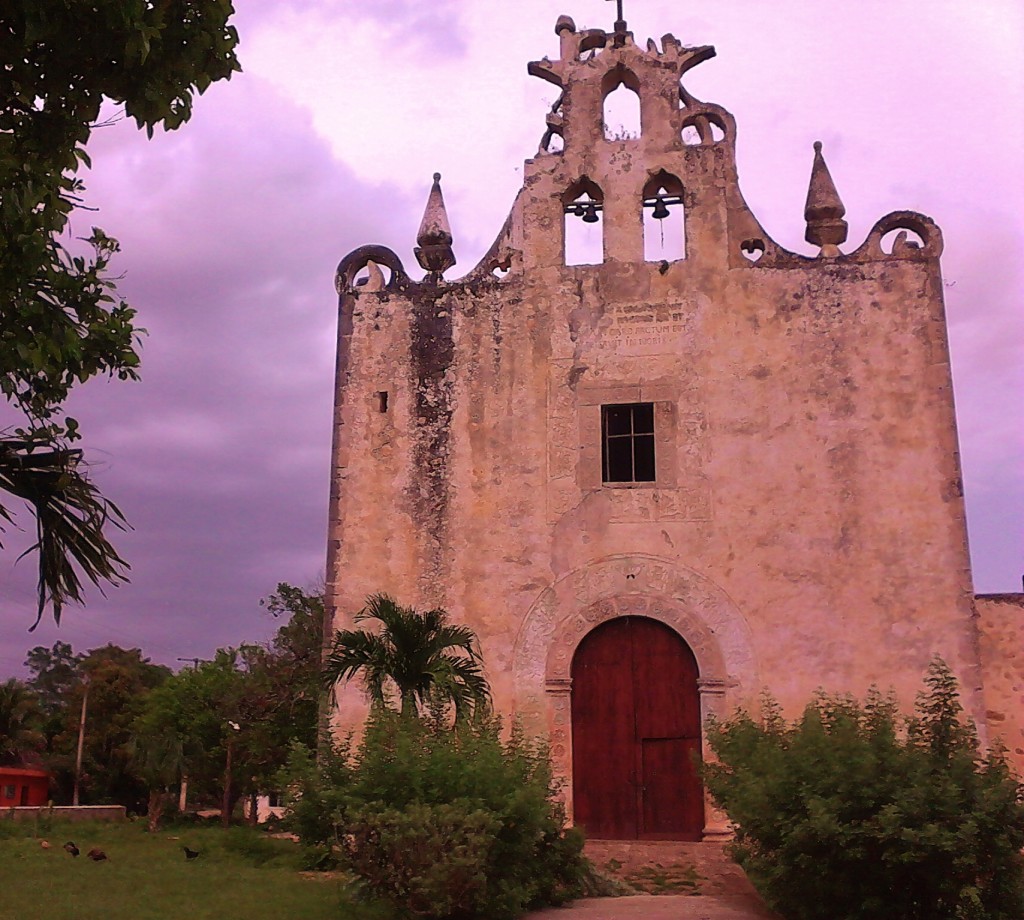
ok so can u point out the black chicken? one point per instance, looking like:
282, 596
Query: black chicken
71, 848
96, 854
190, 854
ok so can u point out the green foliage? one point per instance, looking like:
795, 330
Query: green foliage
54, 671
21, 721
441, 822
846, 814
271, 692
256, 848
61, 321
423, 656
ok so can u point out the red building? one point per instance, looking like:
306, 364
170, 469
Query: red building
22, 786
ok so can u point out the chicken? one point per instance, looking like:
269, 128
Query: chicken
45, 844
190, 854
96, 854
71, 848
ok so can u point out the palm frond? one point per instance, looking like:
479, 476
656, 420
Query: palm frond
70, 514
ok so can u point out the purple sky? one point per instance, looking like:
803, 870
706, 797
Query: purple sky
232, 228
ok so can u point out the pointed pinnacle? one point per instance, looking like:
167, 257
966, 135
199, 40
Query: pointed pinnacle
434, 252
824, 209
434, 228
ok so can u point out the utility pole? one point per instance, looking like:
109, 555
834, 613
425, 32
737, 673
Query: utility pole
81, 739
183, 789
225, 808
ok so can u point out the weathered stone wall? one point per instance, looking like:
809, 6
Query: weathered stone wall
806, 525
1001, 618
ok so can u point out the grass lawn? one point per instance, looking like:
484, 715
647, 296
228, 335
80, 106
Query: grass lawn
240, 873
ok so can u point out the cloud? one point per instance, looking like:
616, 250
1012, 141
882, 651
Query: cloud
230, 230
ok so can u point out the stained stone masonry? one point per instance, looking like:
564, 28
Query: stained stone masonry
804, 528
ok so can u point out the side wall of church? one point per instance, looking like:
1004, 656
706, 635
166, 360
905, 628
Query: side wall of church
1001, 618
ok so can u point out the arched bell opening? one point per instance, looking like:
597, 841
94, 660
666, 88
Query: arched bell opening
620, 105
664, 219
636, 733
583, 224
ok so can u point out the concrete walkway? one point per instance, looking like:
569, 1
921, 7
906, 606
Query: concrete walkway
722, 891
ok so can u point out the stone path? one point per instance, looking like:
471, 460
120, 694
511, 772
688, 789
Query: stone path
667, 867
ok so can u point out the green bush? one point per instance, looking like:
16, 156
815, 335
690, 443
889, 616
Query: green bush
441, 822
259, 849
852, 813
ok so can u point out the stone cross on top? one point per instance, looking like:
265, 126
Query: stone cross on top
620, 22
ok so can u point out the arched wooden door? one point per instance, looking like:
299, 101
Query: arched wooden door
636, 733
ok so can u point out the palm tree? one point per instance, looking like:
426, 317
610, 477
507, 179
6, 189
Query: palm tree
20, 722
424, 656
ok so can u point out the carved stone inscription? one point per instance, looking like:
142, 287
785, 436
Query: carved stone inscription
643, 329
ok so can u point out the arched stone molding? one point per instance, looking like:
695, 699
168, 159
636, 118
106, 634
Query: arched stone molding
634, 585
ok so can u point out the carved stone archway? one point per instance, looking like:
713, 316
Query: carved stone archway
634, 585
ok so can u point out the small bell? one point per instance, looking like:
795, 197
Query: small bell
590, 214
660, 208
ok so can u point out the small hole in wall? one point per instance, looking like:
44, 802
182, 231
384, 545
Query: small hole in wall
752, 249
382, 401
556, 144
691, 136
501, 270
901, 240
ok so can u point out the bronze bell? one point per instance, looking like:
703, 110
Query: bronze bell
660, 208
590, 214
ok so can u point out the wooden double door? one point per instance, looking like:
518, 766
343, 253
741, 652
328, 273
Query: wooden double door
636, 733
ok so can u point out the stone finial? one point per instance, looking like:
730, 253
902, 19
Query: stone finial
434, 252
564, 24
375, 278
824, 210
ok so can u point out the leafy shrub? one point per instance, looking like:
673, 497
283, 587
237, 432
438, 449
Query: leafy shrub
852, 812
441, 821
258, 848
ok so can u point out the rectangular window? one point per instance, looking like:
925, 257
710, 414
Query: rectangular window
9, 792
627, 443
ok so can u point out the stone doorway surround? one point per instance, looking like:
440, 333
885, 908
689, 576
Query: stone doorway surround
620, 586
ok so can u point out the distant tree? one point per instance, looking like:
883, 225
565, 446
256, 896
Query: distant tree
423, 656
61, 321
21, 722
849, 813
54, 672
119, 680
158, 757
270, 692
191, 711
292, 663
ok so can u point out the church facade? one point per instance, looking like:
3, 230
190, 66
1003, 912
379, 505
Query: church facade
657, 484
